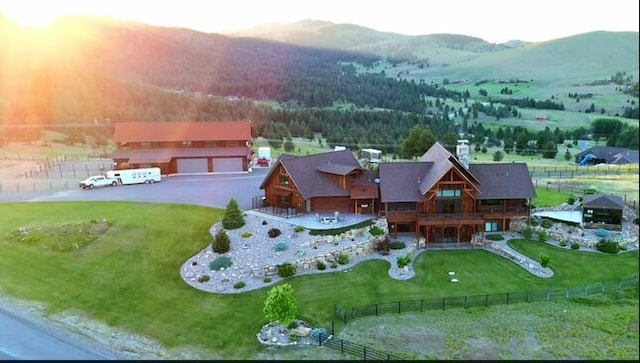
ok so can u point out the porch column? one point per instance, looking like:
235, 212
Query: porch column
426, 236
458, 237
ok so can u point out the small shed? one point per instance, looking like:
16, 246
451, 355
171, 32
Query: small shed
602, 211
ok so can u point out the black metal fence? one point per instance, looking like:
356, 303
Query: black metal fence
442, 303
358, 350
355, 349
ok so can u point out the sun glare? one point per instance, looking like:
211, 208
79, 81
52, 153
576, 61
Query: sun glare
28, 14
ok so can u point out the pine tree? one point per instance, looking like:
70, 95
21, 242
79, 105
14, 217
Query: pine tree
233, 218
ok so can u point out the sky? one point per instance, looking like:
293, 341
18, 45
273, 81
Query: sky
495, 21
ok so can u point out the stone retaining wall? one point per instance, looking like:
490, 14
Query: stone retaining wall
345, 244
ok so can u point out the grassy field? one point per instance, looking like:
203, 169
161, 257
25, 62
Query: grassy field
598, 327
128, 276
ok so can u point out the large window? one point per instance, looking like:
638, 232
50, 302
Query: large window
449, 201
491, 227
284, 179
449, 193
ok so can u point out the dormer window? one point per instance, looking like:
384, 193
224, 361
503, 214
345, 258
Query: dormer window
145, 145
186, 144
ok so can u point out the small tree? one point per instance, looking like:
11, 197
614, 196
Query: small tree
232, 216
567, 155
544, 260
498, 156
281, 305
221, 242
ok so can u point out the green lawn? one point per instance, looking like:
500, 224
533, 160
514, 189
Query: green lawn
549, 197
129, 276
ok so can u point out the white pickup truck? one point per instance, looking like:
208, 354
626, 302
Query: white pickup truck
98, 181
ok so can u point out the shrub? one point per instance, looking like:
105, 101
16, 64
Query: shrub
321, 265
527, 233
544, 260
282, 246
299, 229
274, 232
222, 262
636, 220
264, 223
204, 278
383, 246
546, 223
247, 234
267, 280
221, 242
608, 246
286, 270
239, 285
403, 261
343, 259
571, 200
232, 218
294, 324
543, 236
563, 244
376, 231
319, 335
575, 246
494, 237
397, 245
533, 222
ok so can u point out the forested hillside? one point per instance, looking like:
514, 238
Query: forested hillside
92, 70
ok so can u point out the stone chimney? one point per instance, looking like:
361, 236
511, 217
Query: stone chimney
463, 152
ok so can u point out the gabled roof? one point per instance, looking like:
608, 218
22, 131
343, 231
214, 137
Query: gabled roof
401, 181
442, 161
182, 131
503, 181
612, 154
603, 201
311, 173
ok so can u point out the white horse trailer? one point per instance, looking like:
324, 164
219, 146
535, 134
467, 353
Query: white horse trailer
136, 176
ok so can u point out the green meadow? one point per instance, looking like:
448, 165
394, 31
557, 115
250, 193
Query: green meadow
128, 275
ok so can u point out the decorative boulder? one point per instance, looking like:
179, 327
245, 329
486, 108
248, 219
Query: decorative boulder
301, 331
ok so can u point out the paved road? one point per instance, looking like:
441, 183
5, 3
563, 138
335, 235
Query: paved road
207, 190
26, 337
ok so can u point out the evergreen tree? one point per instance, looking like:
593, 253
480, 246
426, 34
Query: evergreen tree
233, 218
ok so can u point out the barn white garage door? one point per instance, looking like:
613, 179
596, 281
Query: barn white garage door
227, 164
193, 165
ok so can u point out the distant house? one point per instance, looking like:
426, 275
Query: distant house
602, 211
184, 147
436, 197
607, 155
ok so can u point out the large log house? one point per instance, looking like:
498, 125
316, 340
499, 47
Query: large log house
438, 197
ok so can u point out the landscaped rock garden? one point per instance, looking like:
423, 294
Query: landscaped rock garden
298, 333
